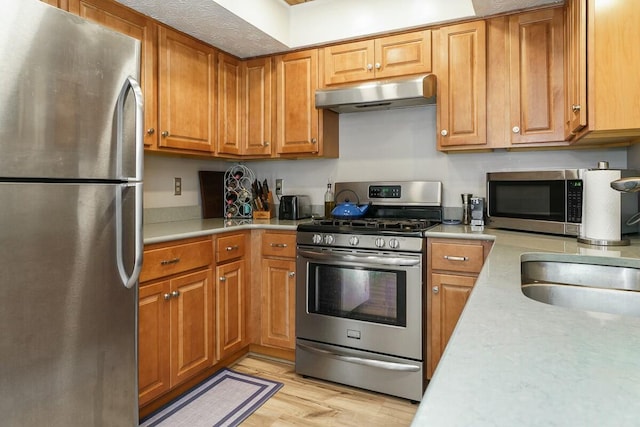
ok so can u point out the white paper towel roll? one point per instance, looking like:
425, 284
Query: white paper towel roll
601, 206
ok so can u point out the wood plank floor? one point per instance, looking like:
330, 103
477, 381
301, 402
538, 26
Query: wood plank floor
312, 402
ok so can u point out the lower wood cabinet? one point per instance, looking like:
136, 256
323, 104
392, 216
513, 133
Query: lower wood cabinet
278, 278
452, 268
176, 319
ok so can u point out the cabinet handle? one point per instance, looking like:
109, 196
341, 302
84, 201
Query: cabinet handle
223, 279
515, 129
444, 132
456, 258
167, 297
313, 140
369, 67
378, 66
575, 108
265, 144
151, 131
435, 289
278, 245
165, 133
175, 294
170, 261
231, 248
292, 274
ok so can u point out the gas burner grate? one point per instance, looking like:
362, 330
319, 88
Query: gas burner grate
377, 223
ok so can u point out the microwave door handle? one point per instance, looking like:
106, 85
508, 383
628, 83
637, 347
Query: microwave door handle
370, 259
391, 366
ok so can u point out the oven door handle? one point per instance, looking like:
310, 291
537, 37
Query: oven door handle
370, 259
390, 366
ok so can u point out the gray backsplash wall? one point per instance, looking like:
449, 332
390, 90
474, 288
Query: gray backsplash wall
377, 145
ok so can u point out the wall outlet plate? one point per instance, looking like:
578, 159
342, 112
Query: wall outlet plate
177, 186
279, 184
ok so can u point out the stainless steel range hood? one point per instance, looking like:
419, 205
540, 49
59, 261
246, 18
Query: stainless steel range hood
379, 95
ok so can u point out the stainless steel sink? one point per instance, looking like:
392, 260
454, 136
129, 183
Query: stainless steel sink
576, 282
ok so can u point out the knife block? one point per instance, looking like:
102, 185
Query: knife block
271, 213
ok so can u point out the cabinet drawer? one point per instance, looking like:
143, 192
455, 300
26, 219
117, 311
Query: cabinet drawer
174, 259
230, 247
279, 244
467, 258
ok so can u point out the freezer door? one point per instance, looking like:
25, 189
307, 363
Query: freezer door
68, 346
62, 77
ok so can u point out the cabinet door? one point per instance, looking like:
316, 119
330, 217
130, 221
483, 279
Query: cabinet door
154, 375
461, 70
537, 75
297, 117
191, 325
258, 106
278, 303
349, 62
403, 54
231, 294
448, 295
576, 67
116, 17
229, 104
186, 92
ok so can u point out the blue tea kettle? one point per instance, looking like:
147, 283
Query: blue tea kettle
348, 210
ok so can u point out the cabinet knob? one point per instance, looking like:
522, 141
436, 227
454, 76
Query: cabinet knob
435, 289
575, 108
151, 131
515, 129
265, 144
167, 297
165, 133
292, 274
175, 294
223, 279
313, 140
369, 67
378, 66
444, 132
232, 248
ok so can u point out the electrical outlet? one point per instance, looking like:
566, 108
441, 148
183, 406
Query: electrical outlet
177, 186
279, 183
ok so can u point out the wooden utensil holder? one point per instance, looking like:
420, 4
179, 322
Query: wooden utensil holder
271, 213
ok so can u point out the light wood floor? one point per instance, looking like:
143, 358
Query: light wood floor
311, 402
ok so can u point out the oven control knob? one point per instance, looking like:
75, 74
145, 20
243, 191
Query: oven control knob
353, 240
328, 239
394, 243
379, 242
316, 239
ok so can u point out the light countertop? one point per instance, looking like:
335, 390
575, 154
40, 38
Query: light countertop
512, 361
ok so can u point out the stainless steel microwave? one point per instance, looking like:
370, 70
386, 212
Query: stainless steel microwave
540, 201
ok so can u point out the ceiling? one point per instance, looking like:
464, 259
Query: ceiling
250, 28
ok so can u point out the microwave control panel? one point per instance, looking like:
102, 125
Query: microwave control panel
574, 200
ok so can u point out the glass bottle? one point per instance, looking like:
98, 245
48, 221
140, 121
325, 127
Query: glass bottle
329, 202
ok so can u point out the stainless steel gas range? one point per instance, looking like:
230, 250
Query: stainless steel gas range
360, 289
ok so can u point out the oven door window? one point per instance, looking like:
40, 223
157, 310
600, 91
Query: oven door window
542, 200
368, 294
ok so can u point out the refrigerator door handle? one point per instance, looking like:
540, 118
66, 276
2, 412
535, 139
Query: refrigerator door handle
129, 280
133, 85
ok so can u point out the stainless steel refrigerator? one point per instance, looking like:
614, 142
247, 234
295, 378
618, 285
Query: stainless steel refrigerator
70, 219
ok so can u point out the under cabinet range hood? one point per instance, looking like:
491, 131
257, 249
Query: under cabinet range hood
379, 95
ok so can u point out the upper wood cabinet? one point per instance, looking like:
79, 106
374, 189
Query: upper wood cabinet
119, 18
258, 107
603, 92
301, 129
536, 74
60, 4
384, 57
230, 96
460, 64
186, 93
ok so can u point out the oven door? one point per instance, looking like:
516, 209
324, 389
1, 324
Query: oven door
366, 300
